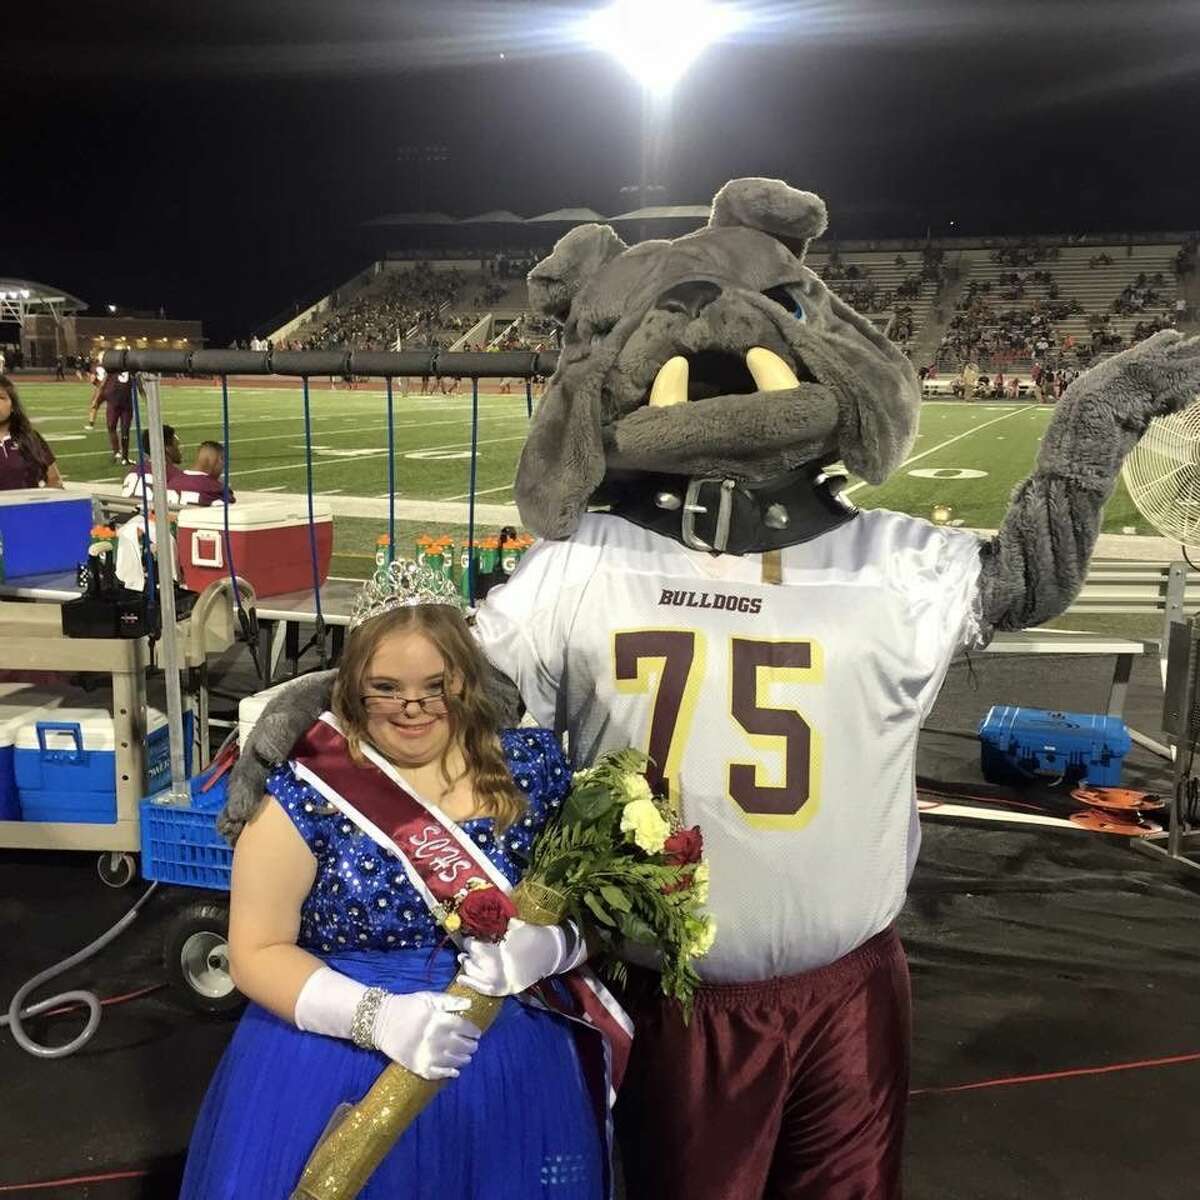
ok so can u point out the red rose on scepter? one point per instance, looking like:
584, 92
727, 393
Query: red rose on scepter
485, 913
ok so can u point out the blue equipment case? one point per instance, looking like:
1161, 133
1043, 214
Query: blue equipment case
181, 844
44, 530
1019, 743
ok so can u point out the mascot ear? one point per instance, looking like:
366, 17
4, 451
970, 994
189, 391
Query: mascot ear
576, 257
771, 206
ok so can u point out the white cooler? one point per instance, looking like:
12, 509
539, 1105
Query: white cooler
250, 708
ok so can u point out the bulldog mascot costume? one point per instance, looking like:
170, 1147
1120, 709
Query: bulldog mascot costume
772, 649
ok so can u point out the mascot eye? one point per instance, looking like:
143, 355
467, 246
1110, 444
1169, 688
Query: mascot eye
602, 327
789, 297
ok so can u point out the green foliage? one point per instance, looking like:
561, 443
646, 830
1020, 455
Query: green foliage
618, 891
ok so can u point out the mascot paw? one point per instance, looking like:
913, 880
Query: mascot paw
1153, 378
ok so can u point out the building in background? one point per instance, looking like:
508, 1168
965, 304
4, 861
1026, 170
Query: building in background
40, 324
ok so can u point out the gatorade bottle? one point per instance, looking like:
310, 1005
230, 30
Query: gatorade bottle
487, 555
422, 548
508, 548
433, 555
464, 568
382, 545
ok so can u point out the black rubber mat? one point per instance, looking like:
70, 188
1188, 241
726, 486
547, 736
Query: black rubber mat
1036, 953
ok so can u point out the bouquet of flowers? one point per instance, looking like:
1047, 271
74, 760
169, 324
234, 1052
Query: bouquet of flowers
618, 863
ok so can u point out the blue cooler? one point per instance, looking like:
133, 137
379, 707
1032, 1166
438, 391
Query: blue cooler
44, 530
66, 764
19, 703
1019, 743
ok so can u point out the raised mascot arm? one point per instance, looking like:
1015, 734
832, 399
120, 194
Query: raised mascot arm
1034, 567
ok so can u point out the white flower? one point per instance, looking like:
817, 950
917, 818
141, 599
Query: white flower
644, 825
634, 788
700, 882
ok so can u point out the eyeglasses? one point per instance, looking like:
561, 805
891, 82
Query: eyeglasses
382, 702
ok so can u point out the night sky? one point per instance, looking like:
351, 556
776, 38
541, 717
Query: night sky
218, 157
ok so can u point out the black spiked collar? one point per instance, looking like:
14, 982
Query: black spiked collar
726, 516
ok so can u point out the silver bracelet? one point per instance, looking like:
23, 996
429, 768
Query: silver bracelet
362, 1027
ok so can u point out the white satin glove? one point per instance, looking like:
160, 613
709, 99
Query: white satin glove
420, 1031
423, 1032
525, 955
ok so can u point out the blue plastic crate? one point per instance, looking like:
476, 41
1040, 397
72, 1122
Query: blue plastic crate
182, 845
1020, 743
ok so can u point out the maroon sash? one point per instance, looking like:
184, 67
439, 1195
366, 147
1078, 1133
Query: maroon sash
441, 861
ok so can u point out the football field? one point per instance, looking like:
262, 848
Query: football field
967, 457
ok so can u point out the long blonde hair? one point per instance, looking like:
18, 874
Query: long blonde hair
474, 720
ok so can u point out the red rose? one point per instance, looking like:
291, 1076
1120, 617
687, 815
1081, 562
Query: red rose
684, 846
485, 913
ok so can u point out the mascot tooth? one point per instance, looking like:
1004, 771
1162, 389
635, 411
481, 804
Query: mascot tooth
670, 384
770, 372
773, 650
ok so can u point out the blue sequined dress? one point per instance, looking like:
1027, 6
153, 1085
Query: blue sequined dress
518, 1124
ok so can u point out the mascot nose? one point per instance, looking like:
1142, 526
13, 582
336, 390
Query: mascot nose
690, 298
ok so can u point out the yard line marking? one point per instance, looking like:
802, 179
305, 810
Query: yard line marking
506, 487
940, 446
377, 427
277, 487
329, 462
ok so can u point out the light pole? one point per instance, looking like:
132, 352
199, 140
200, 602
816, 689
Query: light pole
656, 41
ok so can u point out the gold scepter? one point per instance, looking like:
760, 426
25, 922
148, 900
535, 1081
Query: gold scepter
360, 1136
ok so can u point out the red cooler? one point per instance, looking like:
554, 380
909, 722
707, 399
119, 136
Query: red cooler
268, 541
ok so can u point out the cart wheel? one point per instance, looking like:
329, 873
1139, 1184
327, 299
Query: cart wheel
116, 868
197, 958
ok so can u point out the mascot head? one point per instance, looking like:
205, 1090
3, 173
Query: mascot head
717, 355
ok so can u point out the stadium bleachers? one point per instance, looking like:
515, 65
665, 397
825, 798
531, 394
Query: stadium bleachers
1087, 280
945, 305
878, 277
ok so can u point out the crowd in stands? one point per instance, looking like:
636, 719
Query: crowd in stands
982, 331
1023, 254
410, 303
856, 287
1140, 294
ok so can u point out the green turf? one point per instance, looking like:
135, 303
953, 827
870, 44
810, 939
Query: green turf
433, 439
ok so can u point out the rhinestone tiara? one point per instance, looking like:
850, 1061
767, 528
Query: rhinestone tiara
403, 584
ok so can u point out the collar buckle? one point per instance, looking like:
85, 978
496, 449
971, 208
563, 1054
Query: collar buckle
694, 506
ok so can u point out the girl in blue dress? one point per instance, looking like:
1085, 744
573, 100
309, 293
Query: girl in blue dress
345, 965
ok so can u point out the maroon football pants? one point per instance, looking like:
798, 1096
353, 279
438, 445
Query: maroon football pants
118, 419
791, 1089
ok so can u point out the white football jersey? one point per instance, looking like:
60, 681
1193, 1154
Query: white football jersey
783, 718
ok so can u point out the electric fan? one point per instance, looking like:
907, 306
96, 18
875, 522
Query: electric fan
1163, 475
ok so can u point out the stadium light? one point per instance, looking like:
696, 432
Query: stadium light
657, 40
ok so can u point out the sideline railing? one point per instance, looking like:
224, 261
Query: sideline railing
304, 364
